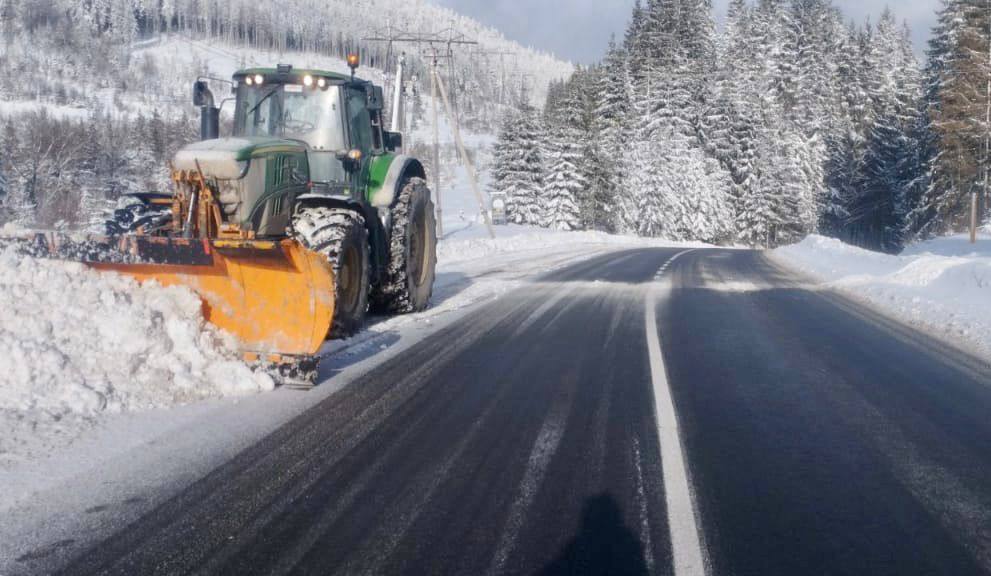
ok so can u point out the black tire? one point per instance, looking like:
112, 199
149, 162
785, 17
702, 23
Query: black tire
135, 215
409, 280
340, 235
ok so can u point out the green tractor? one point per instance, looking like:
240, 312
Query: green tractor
309, 168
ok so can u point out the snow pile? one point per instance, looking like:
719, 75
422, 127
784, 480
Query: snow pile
75, 343
942, 286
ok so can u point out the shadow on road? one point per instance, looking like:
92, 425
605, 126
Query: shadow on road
447, 286
349, 352
341, 354
603, 545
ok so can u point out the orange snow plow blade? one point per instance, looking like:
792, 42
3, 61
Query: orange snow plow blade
276, 297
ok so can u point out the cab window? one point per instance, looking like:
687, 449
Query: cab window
359, 120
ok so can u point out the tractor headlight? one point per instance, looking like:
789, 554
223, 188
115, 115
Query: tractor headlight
259, 79
322, 82
249, 80
307, 80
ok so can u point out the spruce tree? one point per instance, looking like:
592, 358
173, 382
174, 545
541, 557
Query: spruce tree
876, 219
957, 98
6, 214
564, 182
519, 166
613, 125
650, 210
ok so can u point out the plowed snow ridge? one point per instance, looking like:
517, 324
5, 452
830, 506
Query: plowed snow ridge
75, 344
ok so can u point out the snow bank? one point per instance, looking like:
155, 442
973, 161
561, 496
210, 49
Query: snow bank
470, 241
75, 344
942, 286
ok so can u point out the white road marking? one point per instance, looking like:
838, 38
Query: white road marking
686, 542
644, 516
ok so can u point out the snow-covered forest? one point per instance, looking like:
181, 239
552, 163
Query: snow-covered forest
786, 121
93, 102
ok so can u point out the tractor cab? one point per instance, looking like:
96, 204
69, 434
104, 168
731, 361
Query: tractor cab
297, 133
339, 119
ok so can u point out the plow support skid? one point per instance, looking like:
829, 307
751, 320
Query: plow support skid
276, 297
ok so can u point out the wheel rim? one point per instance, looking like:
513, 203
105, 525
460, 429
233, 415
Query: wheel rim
418, 250
350, 278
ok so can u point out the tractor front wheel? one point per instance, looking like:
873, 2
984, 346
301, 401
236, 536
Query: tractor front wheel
409, 281
340, 235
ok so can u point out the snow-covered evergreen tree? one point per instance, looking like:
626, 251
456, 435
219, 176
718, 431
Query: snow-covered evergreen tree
876, 213
612, 127
701, 187
649, 211
957, 100
564, 181
519, 166
6, 214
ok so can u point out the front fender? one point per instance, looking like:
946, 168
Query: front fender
387, 174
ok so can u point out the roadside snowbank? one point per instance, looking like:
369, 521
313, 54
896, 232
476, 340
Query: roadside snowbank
75, 344
471, 242
942, 286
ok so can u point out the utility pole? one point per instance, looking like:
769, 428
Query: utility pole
436, 158
469, 166
987, 140
447, 38
397, 95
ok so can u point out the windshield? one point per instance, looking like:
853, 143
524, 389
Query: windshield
312, 115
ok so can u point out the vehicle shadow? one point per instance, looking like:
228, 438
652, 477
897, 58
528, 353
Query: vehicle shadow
377, 337
447, 285
603, 545
343, 354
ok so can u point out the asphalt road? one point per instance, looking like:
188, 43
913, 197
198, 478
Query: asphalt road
817, 437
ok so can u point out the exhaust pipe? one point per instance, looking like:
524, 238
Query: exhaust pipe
209, 112
209, 123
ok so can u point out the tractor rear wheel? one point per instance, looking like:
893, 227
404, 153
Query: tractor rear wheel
409, 280
340, 235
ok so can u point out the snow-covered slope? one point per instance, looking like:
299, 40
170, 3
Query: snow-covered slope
942, 286
70, 54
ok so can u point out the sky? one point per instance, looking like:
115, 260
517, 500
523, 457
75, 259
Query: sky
579, 30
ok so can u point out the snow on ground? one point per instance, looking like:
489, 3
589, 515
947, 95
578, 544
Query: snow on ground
76, 344
942, 286
15, 108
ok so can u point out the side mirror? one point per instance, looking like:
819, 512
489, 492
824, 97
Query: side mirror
201, 94
376, 100
393, 141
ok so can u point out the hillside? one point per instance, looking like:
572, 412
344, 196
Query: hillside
70, 53
94, 97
